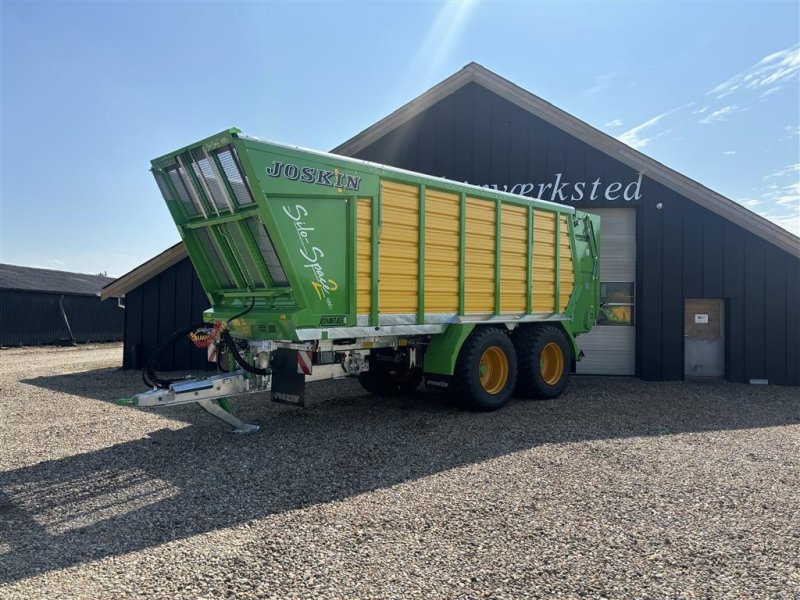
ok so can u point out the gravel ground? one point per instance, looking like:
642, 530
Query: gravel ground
619, 489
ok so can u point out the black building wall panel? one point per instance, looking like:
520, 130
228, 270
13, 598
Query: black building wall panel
683, 250
92, 320
692, 250
132, 355
481, 140
445, 131
170, 300
499, 144
184, 316
463, 109
713, 255
755, 307
166, 315
517, 145
150, 317
672, 298
733, 289
29, 318
775, 309
792, 322
649, 282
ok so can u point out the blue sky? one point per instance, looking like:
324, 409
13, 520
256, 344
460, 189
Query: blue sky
92, 91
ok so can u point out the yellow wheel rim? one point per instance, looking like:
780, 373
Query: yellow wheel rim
493, 370
551, 363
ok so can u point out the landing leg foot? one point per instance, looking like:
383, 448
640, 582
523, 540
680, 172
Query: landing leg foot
239, 426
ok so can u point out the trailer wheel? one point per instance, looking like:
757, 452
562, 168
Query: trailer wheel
543, 359
486, 370
382, 381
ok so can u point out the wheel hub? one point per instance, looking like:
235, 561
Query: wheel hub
551, 363
493, 370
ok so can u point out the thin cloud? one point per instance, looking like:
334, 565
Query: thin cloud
614, 123
778, 67
793, 188
721, 114
636, 136
770, 91
789, 195
791, 200
788, 170
729, 152
792, 131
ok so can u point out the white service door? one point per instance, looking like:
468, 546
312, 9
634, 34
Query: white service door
609, 348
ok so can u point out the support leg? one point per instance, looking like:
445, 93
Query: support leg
239, 426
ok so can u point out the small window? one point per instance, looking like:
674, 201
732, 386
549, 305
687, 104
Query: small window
616, 303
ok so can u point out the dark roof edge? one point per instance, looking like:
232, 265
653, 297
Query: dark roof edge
136, 277
51, 292
694, 191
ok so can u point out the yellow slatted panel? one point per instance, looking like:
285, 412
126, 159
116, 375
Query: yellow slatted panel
513, 253
479, 256
364, 256
399, 248
544, 258
566, 276
441, 251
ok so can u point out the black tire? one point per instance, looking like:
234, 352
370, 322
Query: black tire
384, 381
540, 378
496, 389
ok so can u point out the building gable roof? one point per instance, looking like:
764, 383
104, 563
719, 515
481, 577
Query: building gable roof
144, 272
473, 72
694, 191
13, 277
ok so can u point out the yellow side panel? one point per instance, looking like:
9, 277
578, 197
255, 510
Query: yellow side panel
513, 258
399, 248
566, 277
544, 258
441, 251
479, 256
364, 256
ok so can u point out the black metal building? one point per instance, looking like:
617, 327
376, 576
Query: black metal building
161, 296
694, 283
42, 306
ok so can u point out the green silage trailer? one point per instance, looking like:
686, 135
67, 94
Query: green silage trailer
318, 265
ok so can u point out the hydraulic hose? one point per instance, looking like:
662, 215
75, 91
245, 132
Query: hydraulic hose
150, 376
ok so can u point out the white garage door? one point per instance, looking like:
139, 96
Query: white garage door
609, 348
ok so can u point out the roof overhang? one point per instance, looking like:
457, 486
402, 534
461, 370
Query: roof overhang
133, 279
694, 191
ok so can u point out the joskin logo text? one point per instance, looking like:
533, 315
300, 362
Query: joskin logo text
335, 178
311, 254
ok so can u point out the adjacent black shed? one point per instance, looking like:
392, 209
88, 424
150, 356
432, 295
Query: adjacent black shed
161, 296
42, 306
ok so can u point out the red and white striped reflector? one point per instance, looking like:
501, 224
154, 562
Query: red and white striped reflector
304, 362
